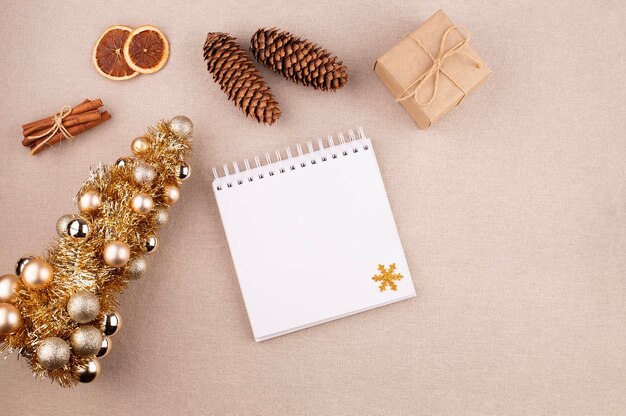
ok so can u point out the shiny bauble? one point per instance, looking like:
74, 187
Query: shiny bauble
184, 171
140, 145
123, 161
142, 203
181, 125
62, 224
105, 347
53, 353
136, 267
151, 244
86, 341
161, 216
89, 201
83, 306
10, 319
9, 286
144, 173
111, 324
116, 253
88, 372
37, 274
171, 193
19, 267
78, 228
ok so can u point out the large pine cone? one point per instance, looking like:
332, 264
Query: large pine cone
234, 70
298, 59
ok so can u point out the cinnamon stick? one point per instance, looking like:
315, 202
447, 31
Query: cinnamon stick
47, 122
74, 130
69, 121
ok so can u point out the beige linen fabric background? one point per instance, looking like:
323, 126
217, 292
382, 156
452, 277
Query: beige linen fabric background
511, 210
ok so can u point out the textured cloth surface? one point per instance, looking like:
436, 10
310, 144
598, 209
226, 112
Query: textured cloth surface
511, 210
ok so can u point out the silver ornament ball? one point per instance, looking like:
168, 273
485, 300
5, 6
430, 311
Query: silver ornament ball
184, 171
105, 347
83, 306
111, 323
136, 267
144, 173
182, 126
151, 244
62, 224
78, 228
53, 353
123, 161
21, 263
86, 341
88, 372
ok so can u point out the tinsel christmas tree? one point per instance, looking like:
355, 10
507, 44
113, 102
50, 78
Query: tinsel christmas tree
58, 311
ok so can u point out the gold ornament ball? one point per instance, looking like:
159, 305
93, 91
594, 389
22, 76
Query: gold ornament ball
116, 254
151, 244
105, 347
83, 306
111, 324
140, 145
37, 274
161, 216
182, 126
78, 228
9, 286
89, 201
62, 224
184, 171
88, 372
142, 203
53, 353
86, 341
19, 267
171, 193
136, 267
10, 319
144, 173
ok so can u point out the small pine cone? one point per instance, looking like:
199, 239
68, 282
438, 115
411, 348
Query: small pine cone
297, 59
234, 70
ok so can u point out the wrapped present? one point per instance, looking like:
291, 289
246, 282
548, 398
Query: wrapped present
432, 69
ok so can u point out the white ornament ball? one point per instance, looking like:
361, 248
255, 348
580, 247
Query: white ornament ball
182, 126
53, 353
116, 254
86, 341
83, 306
144, 173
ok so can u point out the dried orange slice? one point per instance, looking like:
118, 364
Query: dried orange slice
108, 55
146, 50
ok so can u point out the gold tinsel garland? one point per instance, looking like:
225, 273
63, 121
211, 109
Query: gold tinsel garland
79, 262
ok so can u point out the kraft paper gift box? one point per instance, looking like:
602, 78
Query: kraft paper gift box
432, 69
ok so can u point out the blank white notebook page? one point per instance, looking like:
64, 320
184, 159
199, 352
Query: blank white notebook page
307, 235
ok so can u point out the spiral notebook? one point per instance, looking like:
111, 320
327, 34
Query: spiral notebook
311, 235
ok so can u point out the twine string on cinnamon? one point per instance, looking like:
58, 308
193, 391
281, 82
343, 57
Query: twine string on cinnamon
436, 68
57, 126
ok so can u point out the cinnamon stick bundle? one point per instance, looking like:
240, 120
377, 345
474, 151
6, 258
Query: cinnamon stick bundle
69, 122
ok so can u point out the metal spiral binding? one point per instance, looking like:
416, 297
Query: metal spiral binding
292, 162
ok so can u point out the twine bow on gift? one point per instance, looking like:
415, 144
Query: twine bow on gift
436, 68
57, 126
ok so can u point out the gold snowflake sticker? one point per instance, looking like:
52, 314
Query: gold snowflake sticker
387, 277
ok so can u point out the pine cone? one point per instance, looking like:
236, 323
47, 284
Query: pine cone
299, 60
234, 70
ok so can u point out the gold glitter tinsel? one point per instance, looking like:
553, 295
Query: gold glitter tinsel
78, 263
